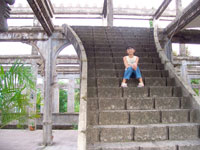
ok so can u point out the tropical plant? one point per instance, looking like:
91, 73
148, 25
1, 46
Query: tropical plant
15, 86
63, 100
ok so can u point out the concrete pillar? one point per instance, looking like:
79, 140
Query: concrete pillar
184, 71
56, 95
178, 7
71, 95
182, 47
110, 13
48, 86
168, 49
33, 96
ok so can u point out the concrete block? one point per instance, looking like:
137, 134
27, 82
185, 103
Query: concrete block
91, 82
92, 135
175, 116
104, 66
109, 92
140, 103
171, 82
190, 132
189, 147
135, 92
158, 148
186, 103
160, 67
91, 73
113, 118
106, 73
153, 54
119, 66
100, 54
150, 133
147, 66
108, 82
151, 73
160, 91
156, 60
167, 103
92, 104
144, 117
155, 81
116, 135
103, 59
92, 92
164, 73
92, 117
112, 104
132, 82
177, 92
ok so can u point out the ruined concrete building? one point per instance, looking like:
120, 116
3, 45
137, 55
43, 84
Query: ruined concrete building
163, 115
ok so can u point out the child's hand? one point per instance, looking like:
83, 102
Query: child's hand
134, 66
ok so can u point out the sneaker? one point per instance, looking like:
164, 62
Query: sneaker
124, 85
140, 85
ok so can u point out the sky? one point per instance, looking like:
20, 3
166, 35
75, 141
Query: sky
18, 48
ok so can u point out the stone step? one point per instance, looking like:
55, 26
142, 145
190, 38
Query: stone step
158, 103
142, 66
119, 54
119, 60
140, 117
158, 145
116, 82
130, 92
143, 133
120, 73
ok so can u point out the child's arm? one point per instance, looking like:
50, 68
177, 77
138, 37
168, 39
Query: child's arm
136, 63
125, 62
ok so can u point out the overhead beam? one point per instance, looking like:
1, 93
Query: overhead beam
187, 16
161, 9
25, 11
104, 12
21, 34
42, 11
187, 36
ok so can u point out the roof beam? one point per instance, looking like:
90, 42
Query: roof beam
187, 16
104, 12
187, 36
161, 9
44, 14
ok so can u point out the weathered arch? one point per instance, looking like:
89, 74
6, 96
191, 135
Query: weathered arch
73, 38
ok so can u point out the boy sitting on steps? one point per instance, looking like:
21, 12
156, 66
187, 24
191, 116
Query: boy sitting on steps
131, 67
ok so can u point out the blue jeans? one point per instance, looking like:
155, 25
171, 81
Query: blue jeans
129, 72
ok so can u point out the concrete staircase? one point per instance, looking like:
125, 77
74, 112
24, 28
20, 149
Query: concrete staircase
155, 117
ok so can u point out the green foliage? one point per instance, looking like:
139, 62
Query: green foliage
63, 100
39, 100
196, 91
14, 100
151, 23
75, 127
77, 100
195, 81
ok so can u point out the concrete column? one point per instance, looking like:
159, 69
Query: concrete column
184, 70
48, 86
56, 95
33, 96
110, 13
178, 7
71, 95
182, 47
